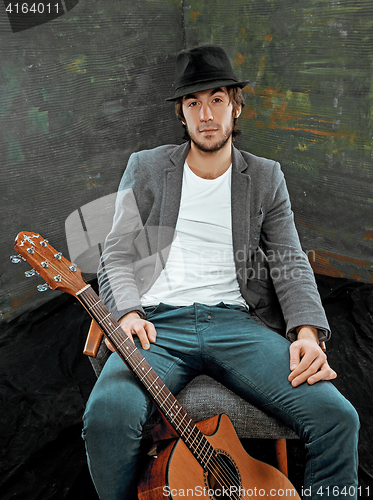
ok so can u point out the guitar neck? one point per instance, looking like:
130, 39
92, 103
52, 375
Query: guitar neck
166, 403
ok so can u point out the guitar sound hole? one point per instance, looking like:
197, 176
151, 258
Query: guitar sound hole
226, 482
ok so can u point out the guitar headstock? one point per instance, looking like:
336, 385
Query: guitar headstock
57, 271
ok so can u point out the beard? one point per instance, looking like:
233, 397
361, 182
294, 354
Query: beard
211, 146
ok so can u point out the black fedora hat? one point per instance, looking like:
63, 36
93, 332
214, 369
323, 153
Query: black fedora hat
202, 68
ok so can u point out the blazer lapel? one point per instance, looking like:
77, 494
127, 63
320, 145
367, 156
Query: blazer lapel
241, 185
171, 195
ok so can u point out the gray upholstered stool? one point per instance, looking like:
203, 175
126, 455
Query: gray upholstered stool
204, 397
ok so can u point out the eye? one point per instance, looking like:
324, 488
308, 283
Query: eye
192, 104
219, 99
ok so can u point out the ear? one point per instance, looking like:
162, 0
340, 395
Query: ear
238, 112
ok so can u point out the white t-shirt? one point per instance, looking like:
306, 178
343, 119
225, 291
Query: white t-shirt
200, 266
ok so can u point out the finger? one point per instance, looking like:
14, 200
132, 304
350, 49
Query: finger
326, 373
151, 331
109, 345
310, 362
140, 331
294, 355
303, 365
302, 353
146, 332
311, 359
306, 374
312, 372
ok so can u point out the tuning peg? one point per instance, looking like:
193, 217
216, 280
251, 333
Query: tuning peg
16, 259
30, 273
43, 288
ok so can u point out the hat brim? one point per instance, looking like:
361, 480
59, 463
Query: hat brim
201, 86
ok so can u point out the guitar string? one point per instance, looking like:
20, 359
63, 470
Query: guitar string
170, 406
165, 397
224, 473
221, 465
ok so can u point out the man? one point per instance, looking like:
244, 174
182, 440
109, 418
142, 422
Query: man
202, 253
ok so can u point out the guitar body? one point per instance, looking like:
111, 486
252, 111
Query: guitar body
176, 473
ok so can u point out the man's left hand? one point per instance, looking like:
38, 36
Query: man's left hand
307, 361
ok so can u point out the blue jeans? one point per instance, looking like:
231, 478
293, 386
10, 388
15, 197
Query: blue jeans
226, 343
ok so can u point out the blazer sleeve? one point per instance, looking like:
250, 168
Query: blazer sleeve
116, 276
291, 273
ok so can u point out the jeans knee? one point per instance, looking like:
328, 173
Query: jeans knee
342, 420
333, 416
105, 415
349, 417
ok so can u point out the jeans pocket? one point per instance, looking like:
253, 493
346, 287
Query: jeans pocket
149, 310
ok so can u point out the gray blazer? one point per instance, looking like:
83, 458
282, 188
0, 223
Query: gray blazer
273, 272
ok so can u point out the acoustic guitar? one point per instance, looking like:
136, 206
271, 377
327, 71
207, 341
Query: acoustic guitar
206, 460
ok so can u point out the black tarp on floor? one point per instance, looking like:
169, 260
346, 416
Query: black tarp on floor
45, 381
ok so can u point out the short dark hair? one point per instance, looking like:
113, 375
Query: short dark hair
235, 97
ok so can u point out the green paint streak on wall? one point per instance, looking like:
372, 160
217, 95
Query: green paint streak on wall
12, 83
15, 154
37, 121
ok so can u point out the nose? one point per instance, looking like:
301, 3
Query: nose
205, 113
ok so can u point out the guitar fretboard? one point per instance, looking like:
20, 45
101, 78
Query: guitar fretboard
159, 393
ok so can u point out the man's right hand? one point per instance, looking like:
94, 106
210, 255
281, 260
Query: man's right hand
132, 324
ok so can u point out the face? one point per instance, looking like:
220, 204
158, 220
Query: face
209, 120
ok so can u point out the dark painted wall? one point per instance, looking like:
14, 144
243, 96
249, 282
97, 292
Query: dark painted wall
83, 91
310, 107
79, 94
